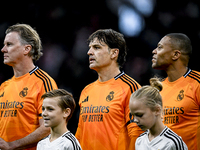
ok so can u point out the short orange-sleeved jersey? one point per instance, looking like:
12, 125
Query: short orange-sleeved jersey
181, 105
20, 103
104, 121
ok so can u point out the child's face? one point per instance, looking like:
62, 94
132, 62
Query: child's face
52, 114
143, 115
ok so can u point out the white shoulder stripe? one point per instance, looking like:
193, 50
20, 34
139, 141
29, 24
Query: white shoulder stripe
71, 137
33, 70
119, 75
143, 134
175, 138
185, 75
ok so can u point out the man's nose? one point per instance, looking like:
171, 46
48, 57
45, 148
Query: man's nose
3, 49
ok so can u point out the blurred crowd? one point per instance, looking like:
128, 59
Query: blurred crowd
65, 26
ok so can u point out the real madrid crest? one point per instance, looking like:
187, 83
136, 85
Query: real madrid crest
110, 96
180, 95
24, 92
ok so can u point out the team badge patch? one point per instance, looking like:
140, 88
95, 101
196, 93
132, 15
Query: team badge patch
180, 95
24, 92
110, 96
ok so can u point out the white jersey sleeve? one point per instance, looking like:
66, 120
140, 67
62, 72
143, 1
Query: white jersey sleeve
167, 140
65, 142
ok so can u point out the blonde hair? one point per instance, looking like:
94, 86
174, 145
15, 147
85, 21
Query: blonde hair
150, 94
28, 36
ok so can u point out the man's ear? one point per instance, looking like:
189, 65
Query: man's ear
176, 54
27, 49
114, 53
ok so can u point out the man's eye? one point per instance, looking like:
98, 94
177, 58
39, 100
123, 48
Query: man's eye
96, 47
8, 44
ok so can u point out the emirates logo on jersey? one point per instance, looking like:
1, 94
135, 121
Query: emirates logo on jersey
24, 92
110, 96
180, 95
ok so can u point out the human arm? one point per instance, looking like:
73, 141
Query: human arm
132, 144
28, 141
78, 133
133, 130
137, 132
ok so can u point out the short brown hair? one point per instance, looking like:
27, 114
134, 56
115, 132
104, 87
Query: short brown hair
66, 99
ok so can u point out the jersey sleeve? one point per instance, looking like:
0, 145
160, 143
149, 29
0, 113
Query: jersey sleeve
41, 92
133, 130
39, 146
173, 146
198, 95
79, 129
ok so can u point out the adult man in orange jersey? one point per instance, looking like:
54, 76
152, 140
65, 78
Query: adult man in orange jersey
21, 124
181, 88
104, 121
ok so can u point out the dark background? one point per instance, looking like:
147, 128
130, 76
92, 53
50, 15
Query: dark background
64, 27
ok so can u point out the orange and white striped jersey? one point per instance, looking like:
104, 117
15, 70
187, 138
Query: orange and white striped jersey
104, 121
181, 106
21, 104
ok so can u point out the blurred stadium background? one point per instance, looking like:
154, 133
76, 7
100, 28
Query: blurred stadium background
64, 27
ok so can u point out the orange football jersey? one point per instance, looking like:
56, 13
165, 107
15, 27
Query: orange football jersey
104, 121
20, 103
181, 107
